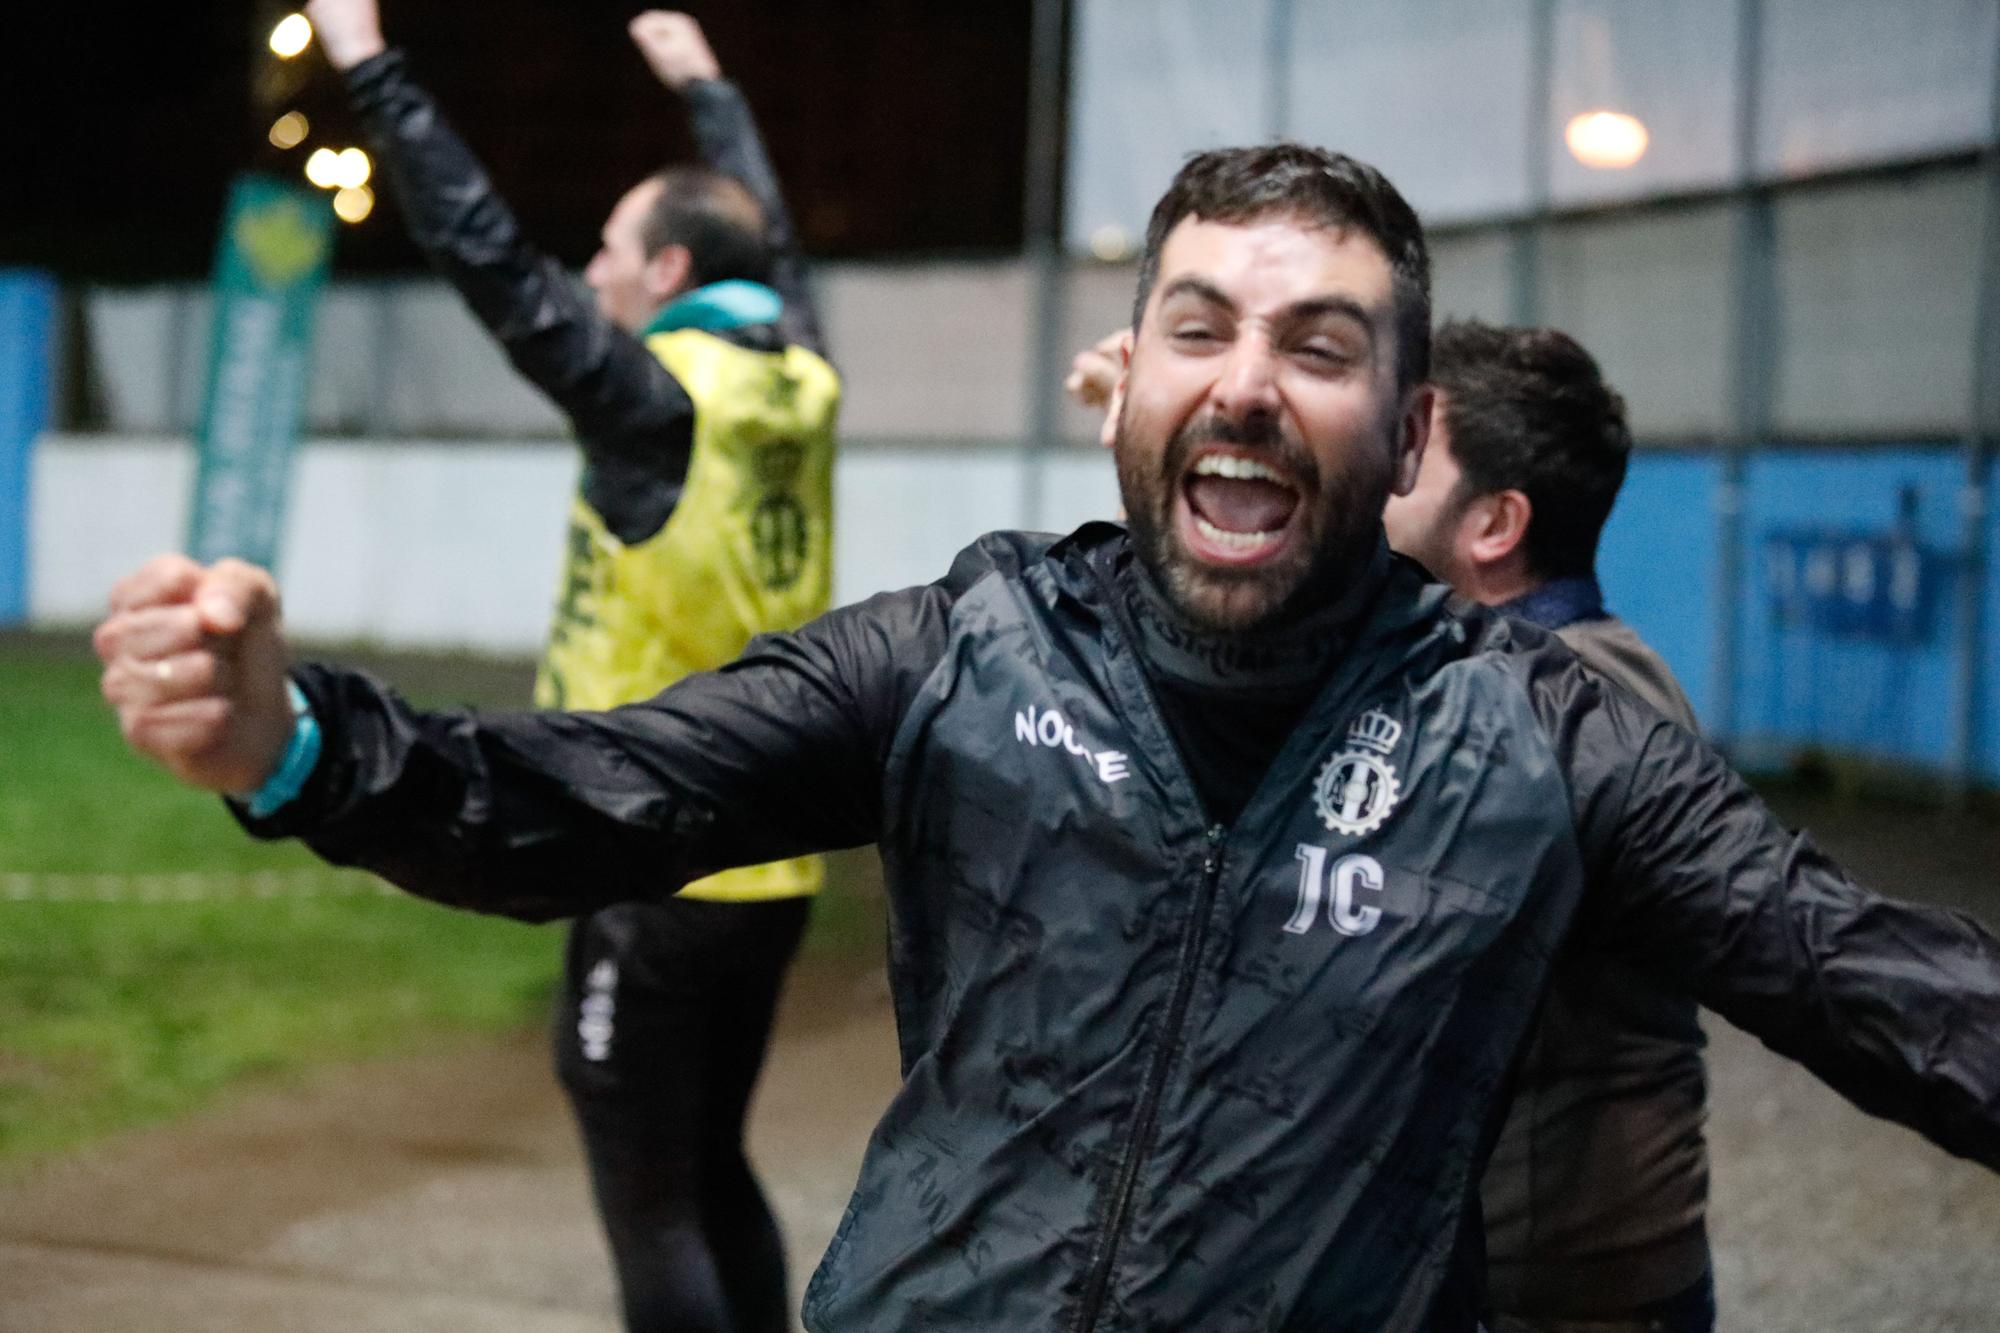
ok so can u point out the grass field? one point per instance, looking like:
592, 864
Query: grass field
119, 1013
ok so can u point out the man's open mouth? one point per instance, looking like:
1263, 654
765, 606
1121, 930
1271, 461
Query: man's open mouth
1238, 507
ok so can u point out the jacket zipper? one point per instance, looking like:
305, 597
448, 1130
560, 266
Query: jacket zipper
1172, 1038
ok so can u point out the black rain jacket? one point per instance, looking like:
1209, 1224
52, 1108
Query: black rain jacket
1162, 1074
633, 420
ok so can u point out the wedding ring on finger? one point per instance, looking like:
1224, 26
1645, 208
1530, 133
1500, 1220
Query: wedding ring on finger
163, 671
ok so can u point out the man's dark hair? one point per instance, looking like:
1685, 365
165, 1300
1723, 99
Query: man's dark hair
1318, 187
716, 218
1528, 410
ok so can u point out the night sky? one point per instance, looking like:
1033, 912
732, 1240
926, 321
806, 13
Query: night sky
896, 125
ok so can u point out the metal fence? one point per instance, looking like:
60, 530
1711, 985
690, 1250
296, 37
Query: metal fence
1804, 262
1796, 286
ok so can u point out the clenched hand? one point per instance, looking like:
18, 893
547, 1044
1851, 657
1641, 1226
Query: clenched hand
674, 47
1094, 371
194, 662
349, 31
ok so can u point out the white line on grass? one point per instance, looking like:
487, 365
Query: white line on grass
188, 887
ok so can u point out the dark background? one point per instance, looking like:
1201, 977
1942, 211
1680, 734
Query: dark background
897, 126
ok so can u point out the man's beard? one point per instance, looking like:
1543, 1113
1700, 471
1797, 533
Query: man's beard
1339, 518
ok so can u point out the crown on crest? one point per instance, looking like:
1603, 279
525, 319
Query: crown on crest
1375, 730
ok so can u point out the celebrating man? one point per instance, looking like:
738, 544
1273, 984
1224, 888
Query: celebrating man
704, 407
1596, 1194
1192, 1037
1596, 1197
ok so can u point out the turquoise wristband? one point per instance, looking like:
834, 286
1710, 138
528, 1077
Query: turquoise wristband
294, 766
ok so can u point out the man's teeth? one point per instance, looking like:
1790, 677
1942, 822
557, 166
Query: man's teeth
1239, 541
1235, 467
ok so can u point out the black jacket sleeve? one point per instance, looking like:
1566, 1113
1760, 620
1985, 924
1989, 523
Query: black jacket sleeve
542, 815
1895, 1005
727, 136
627, 410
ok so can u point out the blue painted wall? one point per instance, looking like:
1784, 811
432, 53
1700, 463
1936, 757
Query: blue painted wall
1658, 564
1867, 696
27, 341
1889, 698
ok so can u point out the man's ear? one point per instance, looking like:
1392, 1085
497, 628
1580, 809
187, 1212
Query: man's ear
1413, 432
667, 272
1502, 527
1107, 430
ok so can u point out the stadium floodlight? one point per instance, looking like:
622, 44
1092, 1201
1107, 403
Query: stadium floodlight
293, 34
351, 168
323, 168
353, 203
290, 130
1606, 140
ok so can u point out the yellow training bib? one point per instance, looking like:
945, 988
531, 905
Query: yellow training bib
748, 549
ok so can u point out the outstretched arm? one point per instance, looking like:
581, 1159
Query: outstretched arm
726, 134
624, 405
1896, 1006
534, 815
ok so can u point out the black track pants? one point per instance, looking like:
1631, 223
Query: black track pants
661, 1029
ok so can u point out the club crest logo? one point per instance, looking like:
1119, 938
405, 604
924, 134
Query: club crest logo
1357, 788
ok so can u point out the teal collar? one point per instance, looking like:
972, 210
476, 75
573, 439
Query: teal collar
730, 304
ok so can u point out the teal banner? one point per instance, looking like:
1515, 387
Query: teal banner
269, 269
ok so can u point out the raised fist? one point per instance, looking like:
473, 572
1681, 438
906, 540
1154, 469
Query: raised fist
195, 662
1094, 372
674, 47
349, 31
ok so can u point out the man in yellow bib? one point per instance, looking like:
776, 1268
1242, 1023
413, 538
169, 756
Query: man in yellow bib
705, 408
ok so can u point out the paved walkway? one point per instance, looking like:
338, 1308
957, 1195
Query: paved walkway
442, 1193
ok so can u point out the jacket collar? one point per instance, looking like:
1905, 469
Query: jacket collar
1559, 602
717, 307
1283, 657
1095, 569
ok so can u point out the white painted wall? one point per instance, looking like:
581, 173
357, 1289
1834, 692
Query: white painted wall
425, 544
928, 352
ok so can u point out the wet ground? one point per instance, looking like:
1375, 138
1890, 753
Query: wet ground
1826, 1219
444, 1193
438, 1193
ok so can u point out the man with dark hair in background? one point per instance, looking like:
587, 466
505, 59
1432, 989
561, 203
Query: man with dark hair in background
1228, 858
1597, 1191
699, 392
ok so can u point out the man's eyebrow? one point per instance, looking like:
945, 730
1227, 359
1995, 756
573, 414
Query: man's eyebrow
1317, 307
1189, 285
1321, 307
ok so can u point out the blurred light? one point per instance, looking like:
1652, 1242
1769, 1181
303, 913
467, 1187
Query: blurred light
1606, 140
351, 169
323, 168
1111, 243
289, 130
354, 203
293, 34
